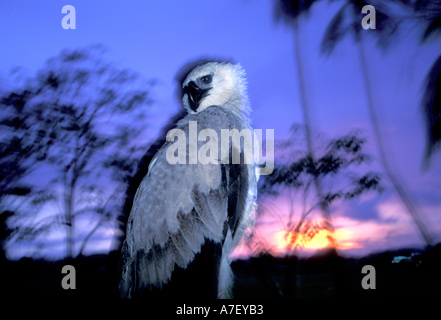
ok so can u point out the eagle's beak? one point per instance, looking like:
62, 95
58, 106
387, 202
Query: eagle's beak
195, 95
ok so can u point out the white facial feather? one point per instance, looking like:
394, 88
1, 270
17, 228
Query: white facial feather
228, 88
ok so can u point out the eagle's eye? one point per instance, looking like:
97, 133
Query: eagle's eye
206, 79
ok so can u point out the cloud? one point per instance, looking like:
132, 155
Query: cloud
389, 227
393, 211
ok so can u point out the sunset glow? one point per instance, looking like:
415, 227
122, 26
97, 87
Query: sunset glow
290, 240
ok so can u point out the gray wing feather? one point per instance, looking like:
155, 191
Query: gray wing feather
175, 208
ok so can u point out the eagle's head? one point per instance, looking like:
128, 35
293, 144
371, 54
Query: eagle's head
220, 84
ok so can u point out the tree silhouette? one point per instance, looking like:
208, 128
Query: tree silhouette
25, 143
348, 21
289, 12
296, 171
92, 114
294, 176
5, 232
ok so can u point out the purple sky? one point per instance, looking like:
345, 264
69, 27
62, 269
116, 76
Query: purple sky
156, 38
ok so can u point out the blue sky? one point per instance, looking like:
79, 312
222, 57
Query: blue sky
156, 38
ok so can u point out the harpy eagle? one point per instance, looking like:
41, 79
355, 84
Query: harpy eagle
188, 215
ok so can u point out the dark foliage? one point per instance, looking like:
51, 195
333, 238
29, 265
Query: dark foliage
311, 278
288, 11
80, 116
348, 21
340, 155
262, 277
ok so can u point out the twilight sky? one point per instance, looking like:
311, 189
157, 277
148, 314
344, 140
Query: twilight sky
156, 38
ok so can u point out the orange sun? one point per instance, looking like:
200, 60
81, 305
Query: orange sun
289, 240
